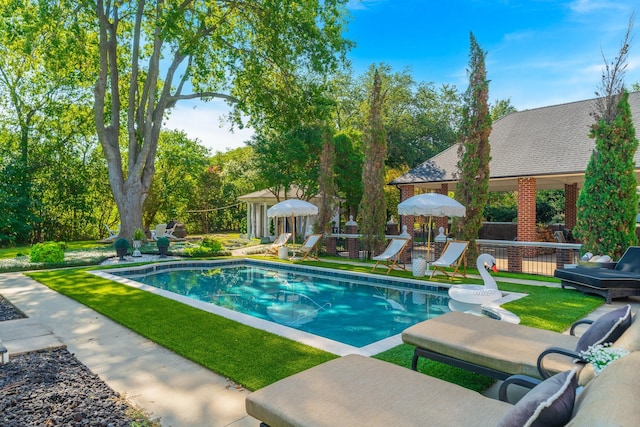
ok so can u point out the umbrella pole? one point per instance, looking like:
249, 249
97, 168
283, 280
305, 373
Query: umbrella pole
429, 240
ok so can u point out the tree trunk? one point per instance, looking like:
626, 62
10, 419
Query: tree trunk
129, 201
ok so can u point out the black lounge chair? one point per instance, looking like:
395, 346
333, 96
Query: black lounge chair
613, 280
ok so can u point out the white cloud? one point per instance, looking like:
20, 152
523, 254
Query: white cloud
587, 6
362, 4
205, 122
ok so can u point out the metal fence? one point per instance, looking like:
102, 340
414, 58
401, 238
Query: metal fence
539, 258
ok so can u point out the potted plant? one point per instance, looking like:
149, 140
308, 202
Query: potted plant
163, 246
122, 247
138, 237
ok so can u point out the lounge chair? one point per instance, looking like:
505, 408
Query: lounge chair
392, 255
309, 248
280, 241
169, 232
356, 390
113, 234
622, 280
162, 231
159, 231
453, 256
499, 349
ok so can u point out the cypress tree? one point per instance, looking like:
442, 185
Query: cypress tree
474, 151
373, 210
608, 202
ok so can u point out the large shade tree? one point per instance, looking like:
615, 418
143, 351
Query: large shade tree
154, 54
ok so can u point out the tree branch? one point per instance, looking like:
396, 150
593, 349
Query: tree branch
612, 85
201, 95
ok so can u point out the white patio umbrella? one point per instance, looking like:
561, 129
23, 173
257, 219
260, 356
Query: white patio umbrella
431, 204
292, 208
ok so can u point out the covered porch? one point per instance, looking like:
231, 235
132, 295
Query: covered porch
541, 149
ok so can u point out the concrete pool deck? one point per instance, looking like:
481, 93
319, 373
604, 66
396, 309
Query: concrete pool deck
169, 387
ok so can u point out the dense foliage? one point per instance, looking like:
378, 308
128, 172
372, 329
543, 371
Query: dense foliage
50, 170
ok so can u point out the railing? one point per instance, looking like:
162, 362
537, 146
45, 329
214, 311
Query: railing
540, 258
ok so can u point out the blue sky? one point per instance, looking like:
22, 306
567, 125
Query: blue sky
539, 52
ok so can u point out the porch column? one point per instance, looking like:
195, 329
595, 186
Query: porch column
407, 191
253, 220
248, 220
570, 205
265, 221
527, 212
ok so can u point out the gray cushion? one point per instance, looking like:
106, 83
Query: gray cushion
548, 404
608, 328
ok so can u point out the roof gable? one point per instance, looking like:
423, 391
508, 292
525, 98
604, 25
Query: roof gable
539, 142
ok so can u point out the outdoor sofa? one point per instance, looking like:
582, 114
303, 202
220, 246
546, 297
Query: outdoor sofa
610, 280
500, 349
359, 391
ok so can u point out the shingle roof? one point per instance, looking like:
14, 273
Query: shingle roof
550, 143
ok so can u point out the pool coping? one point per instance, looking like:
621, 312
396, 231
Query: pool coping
312, 340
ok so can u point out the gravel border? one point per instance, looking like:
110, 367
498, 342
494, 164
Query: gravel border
52, 387
9, 311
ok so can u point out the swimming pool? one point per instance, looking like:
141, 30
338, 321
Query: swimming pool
334, 310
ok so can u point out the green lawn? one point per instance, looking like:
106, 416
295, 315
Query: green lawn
255, 358
71, 246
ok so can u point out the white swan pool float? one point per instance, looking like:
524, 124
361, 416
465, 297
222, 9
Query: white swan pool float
478, 294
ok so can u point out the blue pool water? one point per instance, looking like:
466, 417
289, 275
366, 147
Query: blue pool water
349, 309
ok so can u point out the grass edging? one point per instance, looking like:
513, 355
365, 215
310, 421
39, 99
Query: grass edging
255, 358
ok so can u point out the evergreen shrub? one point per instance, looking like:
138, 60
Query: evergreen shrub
47, 252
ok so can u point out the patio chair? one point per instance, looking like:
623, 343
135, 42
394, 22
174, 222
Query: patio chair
453, 256
162, 231
159, 231
392, 255
169, 232
355, 390
499, 349
308, 248
280, 241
